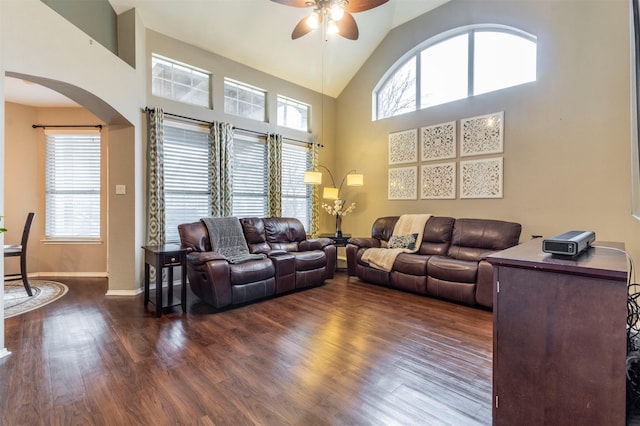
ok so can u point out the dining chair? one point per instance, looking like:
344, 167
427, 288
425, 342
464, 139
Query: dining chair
15, 250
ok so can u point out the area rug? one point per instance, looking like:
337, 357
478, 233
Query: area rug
17, 302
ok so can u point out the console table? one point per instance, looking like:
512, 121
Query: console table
559, 344
160, 257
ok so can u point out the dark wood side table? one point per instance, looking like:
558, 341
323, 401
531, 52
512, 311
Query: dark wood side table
338, 242
160, 257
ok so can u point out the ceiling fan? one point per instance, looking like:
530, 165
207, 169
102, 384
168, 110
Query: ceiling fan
335, 14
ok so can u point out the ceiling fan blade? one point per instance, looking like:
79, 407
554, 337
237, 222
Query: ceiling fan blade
295, 3
356, 6
347, 27
302, 28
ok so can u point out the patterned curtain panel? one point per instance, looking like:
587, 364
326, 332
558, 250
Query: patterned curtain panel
274, 167
221, 174
155, 177
315, 192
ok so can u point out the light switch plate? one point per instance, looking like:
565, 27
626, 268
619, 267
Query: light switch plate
121, 189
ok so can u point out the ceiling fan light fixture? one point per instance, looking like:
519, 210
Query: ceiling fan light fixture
337, 12
332, 27
334, 16
313, 20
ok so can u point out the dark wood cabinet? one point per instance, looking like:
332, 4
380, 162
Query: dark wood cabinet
559, 337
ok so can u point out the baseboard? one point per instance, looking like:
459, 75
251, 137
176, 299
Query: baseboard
129, 293
4, 352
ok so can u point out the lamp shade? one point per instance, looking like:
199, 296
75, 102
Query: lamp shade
313, 178
329, 193
355, 179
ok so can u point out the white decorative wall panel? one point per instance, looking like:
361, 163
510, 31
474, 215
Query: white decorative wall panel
439, 141
403, 183
481, 178
482, 135
403, 147
438, 181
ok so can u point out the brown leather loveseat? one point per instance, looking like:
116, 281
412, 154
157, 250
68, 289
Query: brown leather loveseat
450, 262
292, 262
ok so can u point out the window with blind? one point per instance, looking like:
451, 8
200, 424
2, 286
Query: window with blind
186, 171
186, 176
72, 185
249, 176
296, 195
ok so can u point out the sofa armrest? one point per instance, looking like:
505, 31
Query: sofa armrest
201, 257
365, 242
209, 277
314, 244
484, 284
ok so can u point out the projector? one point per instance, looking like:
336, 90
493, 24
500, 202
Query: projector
569, 244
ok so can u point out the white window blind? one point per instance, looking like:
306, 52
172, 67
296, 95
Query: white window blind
72, 199
249, 177
296, 197
186, 176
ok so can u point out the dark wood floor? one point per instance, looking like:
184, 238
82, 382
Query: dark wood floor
343, 353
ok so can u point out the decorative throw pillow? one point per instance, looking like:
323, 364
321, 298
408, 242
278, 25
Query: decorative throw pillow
403, 241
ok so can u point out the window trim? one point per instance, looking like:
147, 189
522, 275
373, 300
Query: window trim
431, 41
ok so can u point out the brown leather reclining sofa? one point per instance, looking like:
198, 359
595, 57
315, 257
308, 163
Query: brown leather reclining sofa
450, 262
292, 262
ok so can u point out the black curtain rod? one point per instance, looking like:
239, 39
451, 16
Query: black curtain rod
44, 126
147, 109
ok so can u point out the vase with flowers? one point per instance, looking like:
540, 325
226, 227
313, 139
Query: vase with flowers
338, 210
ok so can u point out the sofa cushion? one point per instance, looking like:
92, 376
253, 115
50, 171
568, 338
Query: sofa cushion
283, 232
437, 235
403, 241
473, 239
308, 260
446, 268
254, 270
253, 228
411, 264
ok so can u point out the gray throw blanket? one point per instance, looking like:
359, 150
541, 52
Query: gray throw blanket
227, 238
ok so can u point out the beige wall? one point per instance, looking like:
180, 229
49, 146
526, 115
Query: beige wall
567, 135
25, 191
323, 107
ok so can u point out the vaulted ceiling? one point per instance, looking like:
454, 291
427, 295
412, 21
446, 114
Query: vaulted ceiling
257, 33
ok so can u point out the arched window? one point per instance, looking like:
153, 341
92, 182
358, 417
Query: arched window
454, 65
